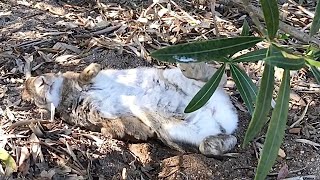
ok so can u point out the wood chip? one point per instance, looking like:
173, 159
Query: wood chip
295, 130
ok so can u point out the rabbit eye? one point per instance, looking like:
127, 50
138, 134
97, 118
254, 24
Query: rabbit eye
38, 83
42, 82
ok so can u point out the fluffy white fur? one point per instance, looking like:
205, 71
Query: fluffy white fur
167, 92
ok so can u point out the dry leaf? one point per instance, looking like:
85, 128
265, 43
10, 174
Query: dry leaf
48, 174
27, 66
1, 111
69, 25
281, 153
283, 172
64, 58
143, 20
45, 6
36, 148
64, 46
36, 129
295, 130
44, 56
24, 154
10, 114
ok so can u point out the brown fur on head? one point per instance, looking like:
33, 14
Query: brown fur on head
35, 89
200, 71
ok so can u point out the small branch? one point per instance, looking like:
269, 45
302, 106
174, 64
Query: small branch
213, 12
107, 30
27, 122
299, 35
302, 9
254, 17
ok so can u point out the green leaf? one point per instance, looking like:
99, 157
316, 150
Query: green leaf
8, 161
247, 89
256, 55
202, 97
271, 16
316, 73
316, 21
316, 54
216, 49
285, 63
245, 28
252, 56
276, 129
313, 62
263, 104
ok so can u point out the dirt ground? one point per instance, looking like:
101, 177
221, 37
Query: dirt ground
73, 153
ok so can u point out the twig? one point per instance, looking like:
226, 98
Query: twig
290, 172
33, 42
283, 26
103, 31
302, 9
301, 177
213, 12
169, 174
254, 17
27, 122
302, 115
184, 12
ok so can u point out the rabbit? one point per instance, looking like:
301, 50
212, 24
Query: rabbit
141, 103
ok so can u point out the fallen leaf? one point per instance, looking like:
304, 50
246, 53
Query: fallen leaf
283, 172
48, 174
44, 56
64, 46
8, 161
295, 130
36, 148
63, 58
281, 153
69, 25
10, 114
24, 154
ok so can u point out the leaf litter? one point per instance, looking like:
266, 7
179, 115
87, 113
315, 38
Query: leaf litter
121, 35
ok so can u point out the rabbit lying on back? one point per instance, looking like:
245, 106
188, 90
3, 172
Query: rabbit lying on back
141, 103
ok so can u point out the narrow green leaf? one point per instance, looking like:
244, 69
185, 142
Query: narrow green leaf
215, 49
276, 129
252, 56
315, 71
8, 161
256, 55
316, 21
316, 55
202, 97
247, 89
263, 104
313, 62
285, 63
271, 16
245, 28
